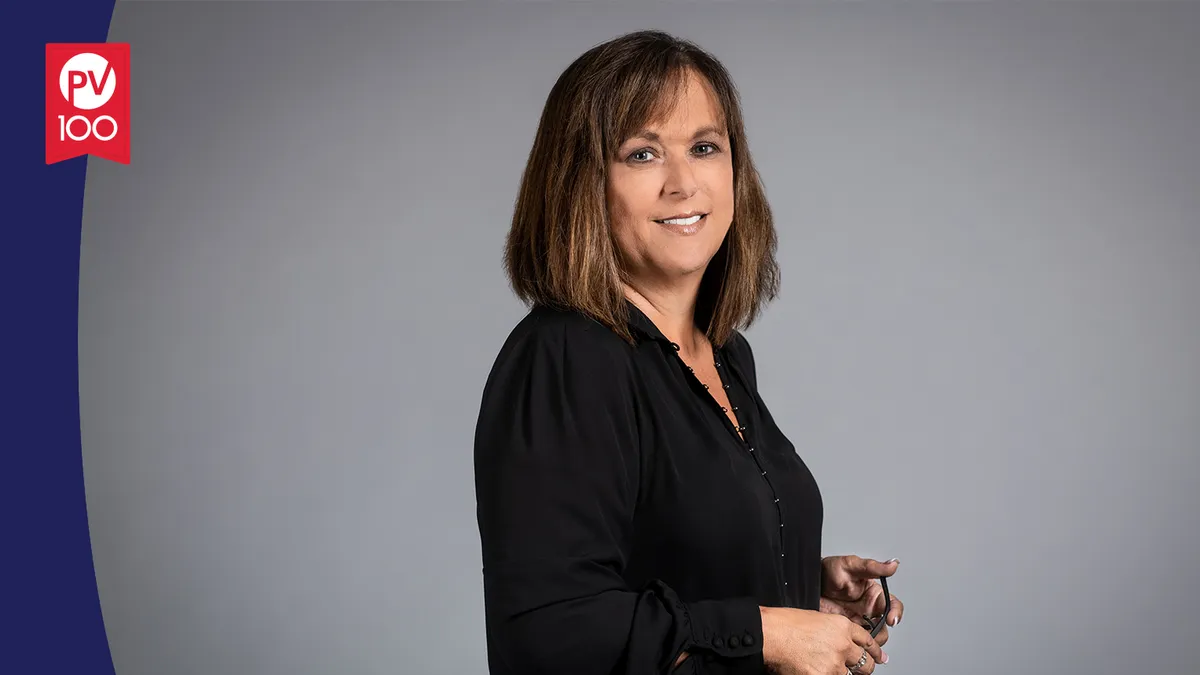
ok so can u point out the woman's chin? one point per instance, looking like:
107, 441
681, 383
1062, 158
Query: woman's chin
683, 267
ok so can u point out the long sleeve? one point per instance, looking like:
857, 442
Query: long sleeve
558, 466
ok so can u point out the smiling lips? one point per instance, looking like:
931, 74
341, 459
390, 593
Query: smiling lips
684, 223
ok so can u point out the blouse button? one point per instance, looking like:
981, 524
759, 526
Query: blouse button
717, 641
734, 642
726, 386
675, 346
747, 639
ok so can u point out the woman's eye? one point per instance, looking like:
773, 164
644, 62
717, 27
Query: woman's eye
645, 155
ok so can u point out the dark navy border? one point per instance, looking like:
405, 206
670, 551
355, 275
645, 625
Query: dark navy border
50, 620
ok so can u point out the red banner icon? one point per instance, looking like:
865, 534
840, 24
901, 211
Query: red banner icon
87, 101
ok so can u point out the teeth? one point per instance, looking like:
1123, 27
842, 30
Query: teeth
682, 221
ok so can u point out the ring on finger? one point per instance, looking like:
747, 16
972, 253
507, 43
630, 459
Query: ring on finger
862, 661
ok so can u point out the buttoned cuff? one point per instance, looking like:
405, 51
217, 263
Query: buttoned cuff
727, 628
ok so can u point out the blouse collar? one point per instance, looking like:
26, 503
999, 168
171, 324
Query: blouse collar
641, 323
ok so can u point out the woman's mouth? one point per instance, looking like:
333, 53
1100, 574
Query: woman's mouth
684, 224
689, 220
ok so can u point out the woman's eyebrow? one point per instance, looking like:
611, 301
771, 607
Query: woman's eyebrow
702, 131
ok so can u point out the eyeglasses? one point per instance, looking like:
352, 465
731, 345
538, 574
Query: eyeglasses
877, 626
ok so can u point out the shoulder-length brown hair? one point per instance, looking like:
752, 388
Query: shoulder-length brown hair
560, 250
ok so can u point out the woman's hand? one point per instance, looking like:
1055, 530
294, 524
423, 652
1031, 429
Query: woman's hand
849, 588
804, 642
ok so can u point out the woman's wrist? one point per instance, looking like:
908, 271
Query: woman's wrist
770, 635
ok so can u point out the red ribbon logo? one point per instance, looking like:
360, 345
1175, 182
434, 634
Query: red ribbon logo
87, 101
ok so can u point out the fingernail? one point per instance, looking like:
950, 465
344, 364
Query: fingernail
885, 658
894, 560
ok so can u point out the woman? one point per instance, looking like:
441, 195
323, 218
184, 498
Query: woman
639, 510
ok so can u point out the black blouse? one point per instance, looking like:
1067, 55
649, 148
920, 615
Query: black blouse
622, 519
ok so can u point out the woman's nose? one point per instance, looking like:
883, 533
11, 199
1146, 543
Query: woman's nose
681, 179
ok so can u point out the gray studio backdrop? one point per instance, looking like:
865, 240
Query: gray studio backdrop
987, 346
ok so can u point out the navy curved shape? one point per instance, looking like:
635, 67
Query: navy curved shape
50, 620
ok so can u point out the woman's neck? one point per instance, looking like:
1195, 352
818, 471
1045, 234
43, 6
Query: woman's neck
673, 312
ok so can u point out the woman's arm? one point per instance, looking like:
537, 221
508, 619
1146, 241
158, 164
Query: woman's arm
557, 472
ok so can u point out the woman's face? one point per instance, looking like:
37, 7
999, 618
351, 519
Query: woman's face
670, 190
